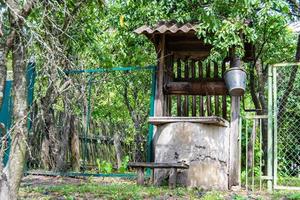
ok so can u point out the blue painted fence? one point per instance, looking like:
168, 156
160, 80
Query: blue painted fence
7, 105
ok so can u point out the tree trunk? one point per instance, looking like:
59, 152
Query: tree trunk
62, 143
13, 172
75, 153
118, 148
2, 72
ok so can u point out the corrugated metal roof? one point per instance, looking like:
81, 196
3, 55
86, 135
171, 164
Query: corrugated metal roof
166, 27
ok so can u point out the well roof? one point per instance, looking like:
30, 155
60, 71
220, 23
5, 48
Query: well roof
166, 27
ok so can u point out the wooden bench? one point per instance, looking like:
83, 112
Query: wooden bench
140, 166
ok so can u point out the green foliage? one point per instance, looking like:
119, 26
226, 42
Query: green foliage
124, 164
104, 166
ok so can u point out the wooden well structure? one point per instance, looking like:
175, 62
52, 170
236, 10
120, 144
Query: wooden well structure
190, 91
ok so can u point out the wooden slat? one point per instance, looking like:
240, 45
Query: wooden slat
186, 106
172, 67
214, 120
200, 71
196, 88
193, 77
224, 104
169, 105
186, 99
216, 74
159, 96
208, 105
186, 70
178, 69
157, 165
208, 98
193, 70
179, 113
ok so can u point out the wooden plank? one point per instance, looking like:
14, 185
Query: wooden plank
234, 170
208, 105
224, 107
200, 71
179, 113
217, 106
193, 77
201, 109
216, 98
208, 98
178, 69
186, 106
196, 88
172, 178
140, 175
159, 96
213, 120
186, 99
190, 54
158, 165
186, 70
172, 67
224, 103
234, 151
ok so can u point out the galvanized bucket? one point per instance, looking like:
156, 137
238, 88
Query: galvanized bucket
235, 79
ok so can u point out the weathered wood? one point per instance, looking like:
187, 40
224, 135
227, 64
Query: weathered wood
169, 105
173, 178
224, 103
159, 96
186, 106
196, 88
193, 70
140, 175
234, 166
208, 97
217, 110
234, 169
186, 70
200, 71
157, 165
172, 67
186, 99
201, 109
178, 69
204, 120
179, 113
190, 54
194, 106
193, 77
224, 107
216, 98
208, 105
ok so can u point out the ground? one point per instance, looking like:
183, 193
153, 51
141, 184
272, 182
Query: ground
48, 187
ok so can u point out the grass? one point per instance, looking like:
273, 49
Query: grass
91, 189
112, 191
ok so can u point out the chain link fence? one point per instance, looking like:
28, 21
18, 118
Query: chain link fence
286, 83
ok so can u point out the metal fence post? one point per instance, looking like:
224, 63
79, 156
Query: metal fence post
275, 124
270, 127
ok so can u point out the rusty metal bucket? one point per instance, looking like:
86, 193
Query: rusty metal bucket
235, 79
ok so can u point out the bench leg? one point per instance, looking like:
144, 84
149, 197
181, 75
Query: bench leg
173, 178
152, 177
140, 176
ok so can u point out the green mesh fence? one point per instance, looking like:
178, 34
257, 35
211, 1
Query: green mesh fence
287, 124
110, 110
